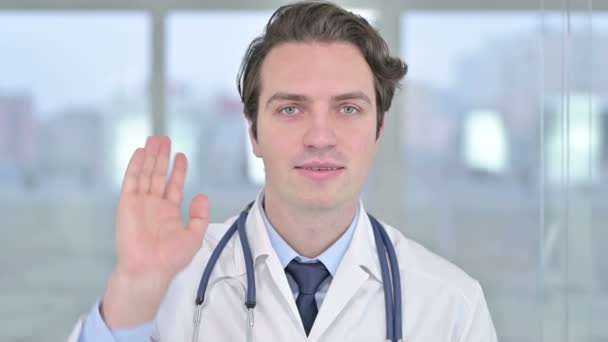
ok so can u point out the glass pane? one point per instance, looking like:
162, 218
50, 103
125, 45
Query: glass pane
572, 135
584, 135
205, 115
598, 301
472, 147
505, 145
72, 105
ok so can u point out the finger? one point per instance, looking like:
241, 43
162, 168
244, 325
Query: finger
151, 149
159, 173
175, 188
129, 183
199, 217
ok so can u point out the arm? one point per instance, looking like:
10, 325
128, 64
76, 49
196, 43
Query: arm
152, 244
94, 329
479, 327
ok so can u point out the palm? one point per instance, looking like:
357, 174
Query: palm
151, 239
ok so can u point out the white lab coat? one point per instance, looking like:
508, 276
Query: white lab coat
441, 303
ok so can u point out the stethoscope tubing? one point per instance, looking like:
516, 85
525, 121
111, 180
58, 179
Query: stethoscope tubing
395, 289
391, 280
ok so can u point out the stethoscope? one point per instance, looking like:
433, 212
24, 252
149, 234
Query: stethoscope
391, 280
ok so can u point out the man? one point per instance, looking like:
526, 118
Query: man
315, 88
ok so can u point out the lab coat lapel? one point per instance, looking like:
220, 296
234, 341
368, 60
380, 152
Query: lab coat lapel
263, 253
358, 264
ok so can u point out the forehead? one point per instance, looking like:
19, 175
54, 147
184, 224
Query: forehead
315, 69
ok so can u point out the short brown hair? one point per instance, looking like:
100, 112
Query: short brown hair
323, 22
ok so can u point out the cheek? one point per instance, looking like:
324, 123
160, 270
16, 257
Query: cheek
361, 141
277, 146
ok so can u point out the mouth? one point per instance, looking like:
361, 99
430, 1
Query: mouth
315, 168
318, 172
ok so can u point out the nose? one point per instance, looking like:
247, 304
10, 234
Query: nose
320, 133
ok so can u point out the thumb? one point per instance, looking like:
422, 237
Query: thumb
199, 216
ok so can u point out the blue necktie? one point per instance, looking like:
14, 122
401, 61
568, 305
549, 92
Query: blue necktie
308, 276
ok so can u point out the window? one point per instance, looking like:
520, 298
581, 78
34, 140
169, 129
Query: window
72, 105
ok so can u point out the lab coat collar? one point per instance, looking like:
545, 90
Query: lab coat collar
259, 242
263, 255
360, 263
362, 248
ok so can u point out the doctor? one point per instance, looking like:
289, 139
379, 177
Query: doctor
315, 89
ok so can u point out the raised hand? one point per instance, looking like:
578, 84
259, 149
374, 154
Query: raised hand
151, 241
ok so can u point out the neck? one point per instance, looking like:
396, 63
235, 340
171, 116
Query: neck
308, 231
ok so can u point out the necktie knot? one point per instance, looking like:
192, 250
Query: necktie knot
308, 276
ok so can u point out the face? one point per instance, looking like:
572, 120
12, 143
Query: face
316, 126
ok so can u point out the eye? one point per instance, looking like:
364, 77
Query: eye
349, 110
289, 110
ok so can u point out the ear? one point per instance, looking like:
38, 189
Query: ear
253, 140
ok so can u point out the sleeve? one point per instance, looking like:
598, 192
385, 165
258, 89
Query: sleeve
479, 326
94, 329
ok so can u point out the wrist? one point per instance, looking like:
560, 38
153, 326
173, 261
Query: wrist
132, 300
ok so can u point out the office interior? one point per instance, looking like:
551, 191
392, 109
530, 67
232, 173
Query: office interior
495, 151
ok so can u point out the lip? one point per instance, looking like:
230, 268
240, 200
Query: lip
310, 170
320, 164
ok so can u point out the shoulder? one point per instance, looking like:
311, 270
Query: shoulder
432, 273
184, 284
215, 232
444, 295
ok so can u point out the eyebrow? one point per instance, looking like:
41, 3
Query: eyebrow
355, 95
287, 97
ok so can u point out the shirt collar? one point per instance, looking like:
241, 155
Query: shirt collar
330, 258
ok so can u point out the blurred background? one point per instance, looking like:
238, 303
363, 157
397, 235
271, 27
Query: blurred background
495, 154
